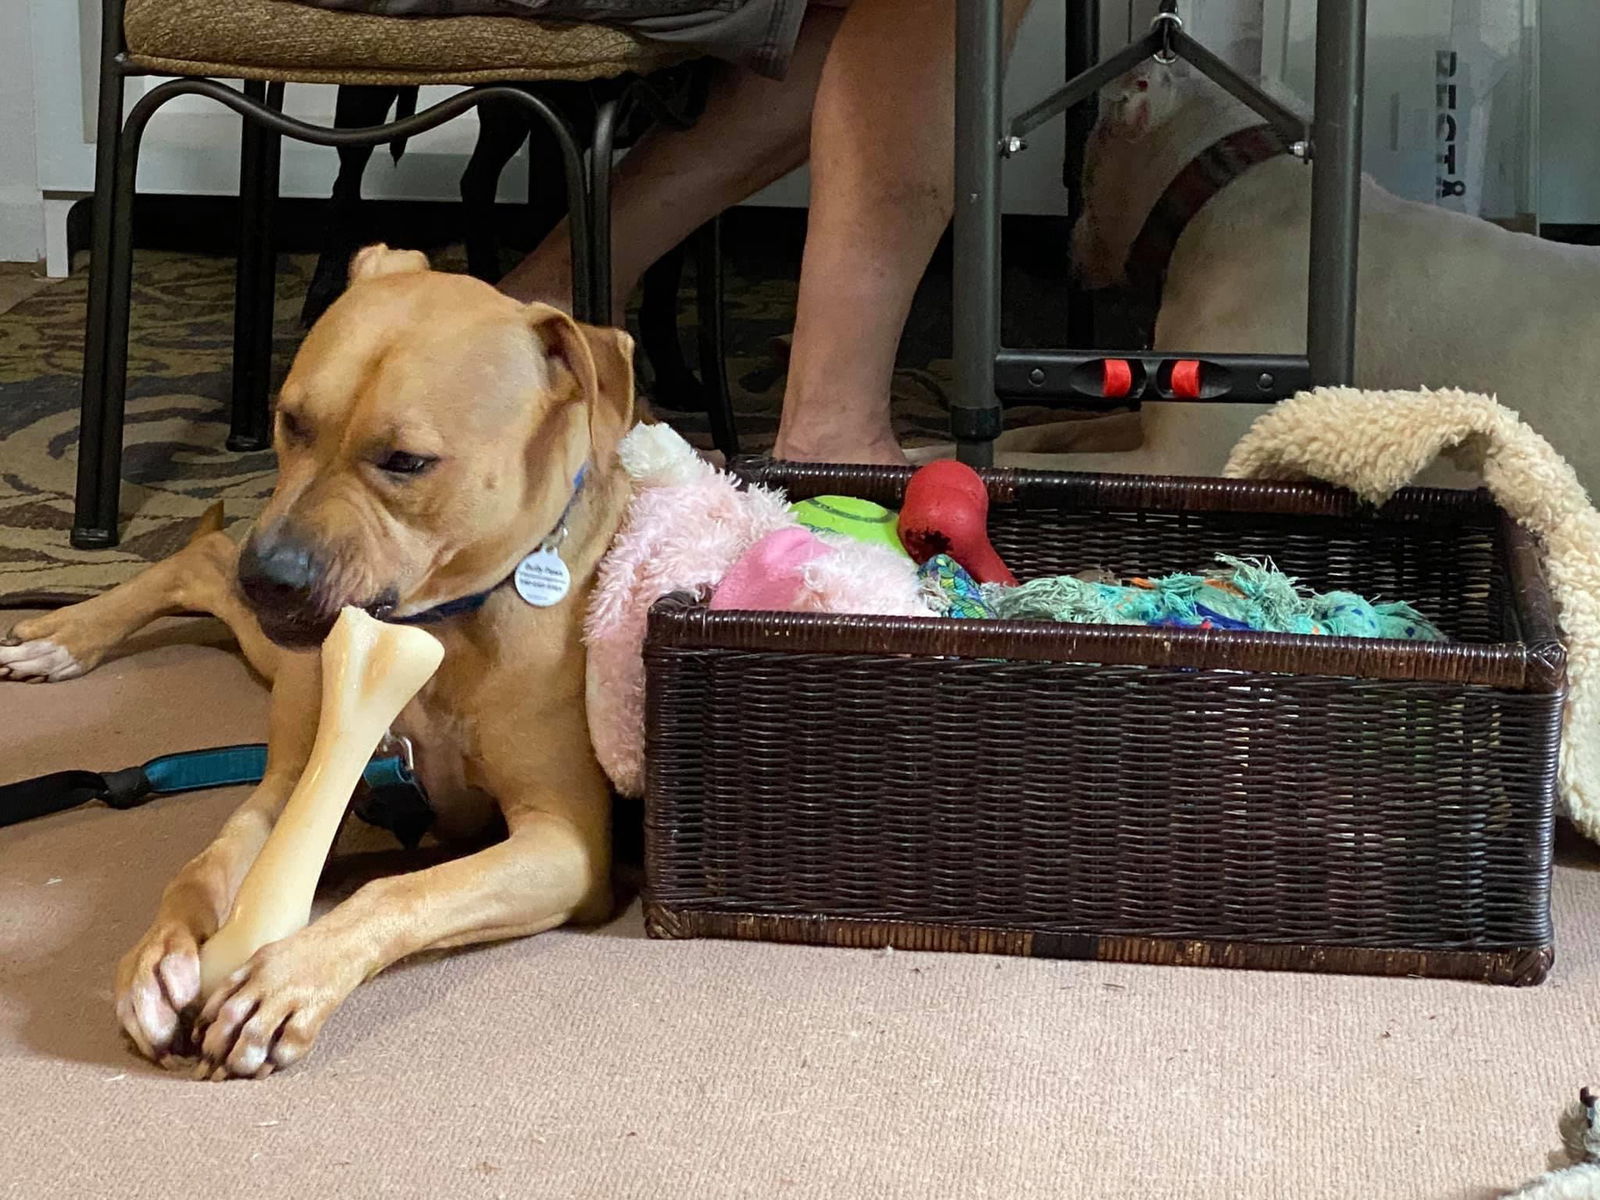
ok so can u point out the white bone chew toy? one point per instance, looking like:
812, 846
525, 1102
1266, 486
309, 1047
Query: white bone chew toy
370, 671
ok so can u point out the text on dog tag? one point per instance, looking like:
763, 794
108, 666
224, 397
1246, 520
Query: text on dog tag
542, 578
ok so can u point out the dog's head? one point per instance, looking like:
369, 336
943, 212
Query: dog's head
428, 436
1141, 100
1153, 121
1130, 107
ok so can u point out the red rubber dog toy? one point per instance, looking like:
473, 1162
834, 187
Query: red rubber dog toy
946, 511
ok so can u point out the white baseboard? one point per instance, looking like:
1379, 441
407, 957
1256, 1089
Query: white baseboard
21, 225
57, 206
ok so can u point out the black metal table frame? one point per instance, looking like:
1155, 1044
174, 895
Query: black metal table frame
987, 373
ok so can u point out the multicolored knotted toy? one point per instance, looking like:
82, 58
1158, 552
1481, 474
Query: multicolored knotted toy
1244, 595
950, 591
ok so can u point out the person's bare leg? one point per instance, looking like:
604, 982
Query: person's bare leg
753, 131
882, 184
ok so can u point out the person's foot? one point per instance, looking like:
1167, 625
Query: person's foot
835, 446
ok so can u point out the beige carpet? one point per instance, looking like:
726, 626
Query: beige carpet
604, 1065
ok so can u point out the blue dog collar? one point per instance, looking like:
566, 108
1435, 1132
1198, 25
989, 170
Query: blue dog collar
470, 604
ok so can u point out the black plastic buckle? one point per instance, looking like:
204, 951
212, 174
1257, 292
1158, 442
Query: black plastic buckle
127, 788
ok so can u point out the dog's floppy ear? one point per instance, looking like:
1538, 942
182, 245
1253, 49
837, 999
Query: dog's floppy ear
373, 261
601, 362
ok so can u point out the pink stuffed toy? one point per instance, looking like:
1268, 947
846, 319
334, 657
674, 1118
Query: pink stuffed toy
690, 527
796, 570
771, 574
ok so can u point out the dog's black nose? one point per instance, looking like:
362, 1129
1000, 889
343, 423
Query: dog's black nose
279, 574
278, 560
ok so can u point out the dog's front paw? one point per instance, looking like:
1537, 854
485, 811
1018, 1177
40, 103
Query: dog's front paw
267, 1013
157, 981
50, 648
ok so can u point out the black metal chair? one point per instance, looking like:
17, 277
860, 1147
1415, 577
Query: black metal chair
268, 43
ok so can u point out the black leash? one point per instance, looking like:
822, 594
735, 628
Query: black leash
391, 796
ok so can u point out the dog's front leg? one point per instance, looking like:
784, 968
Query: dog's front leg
67, 642
269, 1012
553, 867
160, 977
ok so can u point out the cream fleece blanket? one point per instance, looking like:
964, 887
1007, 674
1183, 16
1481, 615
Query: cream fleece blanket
1374, 443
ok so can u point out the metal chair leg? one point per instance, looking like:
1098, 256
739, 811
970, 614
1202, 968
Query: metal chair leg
105, 397
256, 277
95, 511
600, 155
709, 302
349, 223
502, 129
672, 384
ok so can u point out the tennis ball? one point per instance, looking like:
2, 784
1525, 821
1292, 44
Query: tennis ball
860, 519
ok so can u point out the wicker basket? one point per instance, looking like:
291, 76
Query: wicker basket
1154, 795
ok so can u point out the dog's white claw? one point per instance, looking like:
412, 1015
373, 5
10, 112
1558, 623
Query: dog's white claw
155, 1016
39, 661
248, 1059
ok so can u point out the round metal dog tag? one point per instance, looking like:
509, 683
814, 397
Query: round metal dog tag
542, 579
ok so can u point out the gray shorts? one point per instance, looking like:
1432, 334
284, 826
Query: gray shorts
758, 34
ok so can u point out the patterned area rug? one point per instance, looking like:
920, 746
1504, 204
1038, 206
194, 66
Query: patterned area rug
176, 464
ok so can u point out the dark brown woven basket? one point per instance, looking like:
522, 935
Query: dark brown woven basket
1158, 795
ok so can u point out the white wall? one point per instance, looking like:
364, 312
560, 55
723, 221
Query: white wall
1569, 112
21, 210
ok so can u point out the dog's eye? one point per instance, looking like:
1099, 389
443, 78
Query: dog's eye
398, 462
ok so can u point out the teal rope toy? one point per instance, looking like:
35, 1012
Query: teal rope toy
1243, 594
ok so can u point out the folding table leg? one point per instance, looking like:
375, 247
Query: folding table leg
1336, 191
975, 415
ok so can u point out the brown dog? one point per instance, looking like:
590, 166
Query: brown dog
429, 435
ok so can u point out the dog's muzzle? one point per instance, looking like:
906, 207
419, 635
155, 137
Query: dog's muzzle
281, 575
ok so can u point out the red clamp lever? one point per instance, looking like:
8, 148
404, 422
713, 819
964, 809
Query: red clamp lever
1116, 379
1186, 379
